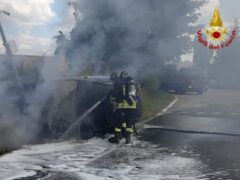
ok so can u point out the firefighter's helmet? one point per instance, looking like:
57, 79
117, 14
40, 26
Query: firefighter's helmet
123, 74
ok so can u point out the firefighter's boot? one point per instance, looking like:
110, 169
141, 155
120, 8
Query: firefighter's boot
124, 126
116, 138
128, 137
129, 132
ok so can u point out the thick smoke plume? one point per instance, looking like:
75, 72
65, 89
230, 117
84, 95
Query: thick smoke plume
110, 35
21, 113
135, 35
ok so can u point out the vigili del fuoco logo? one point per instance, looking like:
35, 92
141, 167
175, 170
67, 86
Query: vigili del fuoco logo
216, 36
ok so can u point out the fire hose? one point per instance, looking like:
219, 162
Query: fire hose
79, 120
170, 129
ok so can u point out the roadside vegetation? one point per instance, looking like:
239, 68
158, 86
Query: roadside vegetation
154, 100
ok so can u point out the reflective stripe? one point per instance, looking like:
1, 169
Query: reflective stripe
117, 130
124, 90
129, 130
124, 125
125, 105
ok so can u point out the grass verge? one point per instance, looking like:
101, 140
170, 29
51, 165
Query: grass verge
154, 101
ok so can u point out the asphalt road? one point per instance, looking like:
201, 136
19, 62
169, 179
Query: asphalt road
197, 139
209, 115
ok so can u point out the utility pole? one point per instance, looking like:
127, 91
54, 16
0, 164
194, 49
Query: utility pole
5, 42
22, 100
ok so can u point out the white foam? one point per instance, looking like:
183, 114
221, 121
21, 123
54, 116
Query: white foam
97, 159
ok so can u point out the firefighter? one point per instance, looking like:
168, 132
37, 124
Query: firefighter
126, 106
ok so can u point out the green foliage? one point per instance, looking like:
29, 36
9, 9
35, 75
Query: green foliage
154, 101
151, 83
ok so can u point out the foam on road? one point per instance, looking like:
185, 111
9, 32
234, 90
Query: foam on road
97, 159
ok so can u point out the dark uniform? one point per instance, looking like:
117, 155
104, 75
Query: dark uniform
125, 109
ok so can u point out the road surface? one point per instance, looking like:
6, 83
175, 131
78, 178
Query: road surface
217, 111
156, 153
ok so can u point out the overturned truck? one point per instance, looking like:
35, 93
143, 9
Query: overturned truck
49, 112
91, 98
85, 112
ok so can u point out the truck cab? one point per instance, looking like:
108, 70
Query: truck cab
186, 80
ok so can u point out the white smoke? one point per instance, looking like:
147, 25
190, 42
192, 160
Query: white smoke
138, 36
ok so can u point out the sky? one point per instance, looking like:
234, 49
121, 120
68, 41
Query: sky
33, 23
